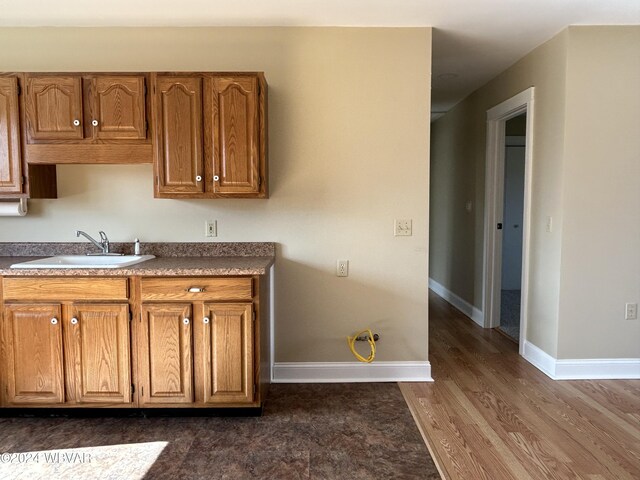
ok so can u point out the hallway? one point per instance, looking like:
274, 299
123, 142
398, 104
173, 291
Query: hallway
492, 415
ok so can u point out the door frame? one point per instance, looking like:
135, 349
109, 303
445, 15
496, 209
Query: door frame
493, 212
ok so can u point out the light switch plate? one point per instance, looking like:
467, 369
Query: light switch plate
402, 228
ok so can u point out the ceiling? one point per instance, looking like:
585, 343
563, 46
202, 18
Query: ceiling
473, 40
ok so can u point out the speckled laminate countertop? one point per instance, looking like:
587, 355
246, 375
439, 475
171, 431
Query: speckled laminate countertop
167, 266
173, 259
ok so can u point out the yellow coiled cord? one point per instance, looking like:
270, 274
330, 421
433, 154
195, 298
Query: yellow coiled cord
351, 341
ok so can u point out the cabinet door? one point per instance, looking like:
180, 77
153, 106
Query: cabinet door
178, 143
54, 108
236, 155
166, 361
227, 346
34, 368
97, 353
10, 158
119, 107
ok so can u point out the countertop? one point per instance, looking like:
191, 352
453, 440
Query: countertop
161, 266
172, 259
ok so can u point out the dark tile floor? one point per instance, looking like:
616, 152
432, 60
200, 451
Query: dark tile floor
314, 431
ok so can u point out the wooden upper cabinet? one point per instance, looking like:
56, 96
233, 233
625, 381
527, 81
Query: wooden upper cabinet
210, 136
235, 135
10, 156
54, 107
166, 349
178, 148
85, 108
227, 346
119, 109
97, 353
34, 361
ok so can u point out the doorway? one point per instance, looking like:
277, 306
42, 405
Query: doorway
507, 215
512, 214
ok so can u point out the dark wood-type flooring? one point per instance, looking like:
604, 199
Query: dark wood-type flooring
492, 415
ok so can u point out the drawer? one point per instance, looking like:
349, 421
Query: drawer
64, 288
196, 288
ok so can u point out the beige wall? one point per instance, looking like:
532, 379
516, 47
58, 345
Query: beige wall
458, 161
601, 195
349, 152
586, 166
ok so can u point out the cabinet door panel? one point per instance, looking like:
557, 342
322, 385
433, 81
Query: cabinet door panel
10, 158
167, 354
227, 346
235, 131
119, 107
34, 354
178, 145
98, 359
53, 105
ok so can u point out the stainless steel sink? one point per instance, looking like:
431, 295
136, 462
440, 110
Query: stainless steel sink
85, 261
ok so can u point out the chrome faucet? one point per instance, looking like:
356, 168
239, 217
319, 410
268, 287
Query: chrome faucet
103, 244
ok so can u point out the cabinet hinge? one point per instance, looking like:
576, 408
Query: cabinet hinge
254, 389
253, 315
133, 389
23, 180
130, 315
19, 89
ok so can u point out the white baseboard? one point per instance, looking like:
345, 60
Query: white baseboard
465, 307
351, 372
582, 369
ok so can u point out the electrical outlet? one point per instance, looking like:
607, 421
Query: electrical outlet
342, 268
631, 311
211, 228
402, 228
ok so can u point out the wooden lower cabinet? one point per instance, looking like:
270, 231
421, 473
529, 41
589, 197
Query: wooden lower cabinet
166, 354
195, 342
226, 342
97, 353
67, 354
34, 362
196, 353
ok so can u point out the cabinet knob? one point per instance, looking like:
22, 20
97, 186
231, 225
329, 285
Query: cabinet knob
74, 320
196, 289
198, 178
76, 123
94, 123
54, 321
216, 178
185, 321
205, 320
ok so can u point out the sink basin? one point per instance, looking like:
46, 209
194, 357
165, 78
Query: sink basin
85, 261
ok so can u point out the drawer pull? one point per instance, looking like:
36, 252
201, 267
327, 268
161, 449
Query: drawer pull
196, 289
205, 320
185, 321
74, 320
54, 321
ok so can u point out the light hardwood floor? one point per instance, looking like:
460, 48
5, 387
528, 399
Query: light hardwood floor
492, 415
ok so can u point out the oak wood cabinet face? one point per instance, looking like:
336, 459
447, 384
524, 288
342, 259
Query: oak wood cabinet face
178, 149
67, 354
10, 156
89, 108
236, 155
227, 349
119, 107
97, 353
34, 370
167, 354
